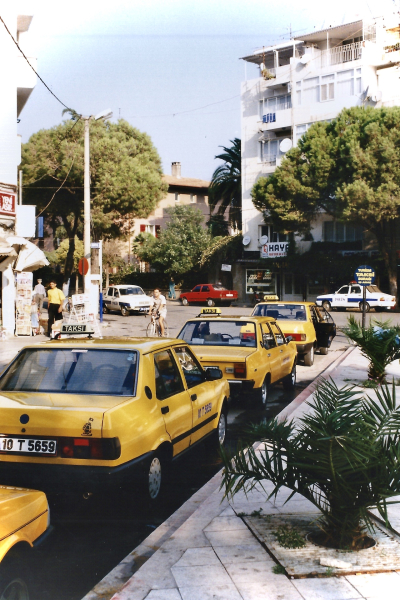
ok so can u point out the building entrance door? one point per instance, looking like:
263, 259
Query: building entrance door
292, 287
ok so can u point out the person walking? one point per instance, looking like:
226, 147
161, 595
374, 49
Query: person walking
39, 293
56, 300
160, 307
171, 294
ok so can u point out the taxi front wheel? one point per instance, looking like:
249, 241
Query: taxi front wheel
219, 434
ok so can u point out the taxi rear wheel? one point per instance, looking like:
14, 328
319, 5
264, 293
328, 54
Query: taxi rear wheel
261, 394
309, 357
367, 306
14, 589
326, 305
154, 477
289, 381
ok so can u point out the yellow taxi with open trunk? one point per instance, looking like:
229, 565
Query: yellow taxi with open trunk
252, 352
79, 413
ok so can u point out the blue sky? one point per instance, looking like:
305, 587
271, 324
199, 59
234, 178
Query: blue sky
169, 67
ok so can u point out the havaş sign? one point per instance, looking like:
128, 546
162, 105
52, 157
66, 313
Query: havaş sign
274, 249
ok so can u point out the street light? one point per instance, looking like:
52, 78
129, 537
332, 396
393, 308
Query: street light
105, 114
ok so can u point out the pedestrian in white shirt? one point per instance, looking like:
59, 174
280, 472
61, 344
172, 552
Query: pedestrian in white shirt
39, 293
160, 307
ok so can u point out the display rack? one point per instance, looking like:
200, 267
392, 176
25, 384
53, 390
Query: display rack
80, 312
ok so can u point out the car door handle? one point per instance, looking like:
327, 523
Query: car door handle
193, 397
164, 410
281, 350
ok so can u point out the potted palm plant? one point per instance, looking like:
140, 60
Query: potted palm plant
343, 456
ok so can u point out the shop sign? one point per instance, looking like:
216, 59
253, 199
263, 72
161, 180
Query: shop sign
226, 267
274, 249
7, 203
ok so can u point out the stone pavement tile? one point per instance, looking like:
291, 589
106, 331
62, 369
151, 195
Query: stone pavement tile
198, 575
297, 507
187, 539
281, 590
238, 536
380, 585
242, 553
198, 556
248, 507
331, 588
164, 595
254, 571
211, 592
228, 512
225, 524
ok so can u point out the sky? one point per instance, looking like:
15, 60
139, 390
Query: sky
171, 68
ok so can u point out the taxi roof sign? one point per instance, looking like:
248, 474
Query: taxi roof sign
210, 311
271, 297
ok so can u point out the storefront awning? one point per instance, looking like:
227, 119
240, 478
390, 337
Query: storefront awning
29, 256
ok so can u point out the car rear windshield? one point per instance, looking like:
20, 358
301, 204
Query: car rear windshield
219, 333
290, 312
374, 289
73, 371
131, 291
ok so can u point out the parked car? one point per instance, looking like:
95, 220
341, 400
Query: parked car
251, 352
77, 414
25, 518
310, 326
351, 296
210, 294
126, 298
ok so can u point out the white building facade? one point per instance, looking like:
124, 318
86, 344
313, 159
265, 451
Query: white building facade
301, 82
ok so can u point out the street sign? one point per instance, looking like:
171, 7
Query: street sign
95, 245
365, 275
83, 266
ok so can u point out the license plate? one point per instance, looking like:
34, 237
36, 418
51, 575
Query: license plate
229, 295
28, 446
143, 308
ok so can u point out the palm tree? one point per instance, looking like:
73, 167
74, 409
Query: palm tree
225, 192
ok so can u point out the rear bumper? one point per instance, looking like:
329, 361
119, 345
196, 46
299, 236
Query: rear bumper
59, 479
238, 386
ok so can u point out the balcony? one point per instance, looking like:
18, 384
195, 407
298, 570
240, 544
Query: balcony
342, 54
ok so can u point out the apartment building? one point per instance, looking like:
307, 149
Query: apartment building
298, 83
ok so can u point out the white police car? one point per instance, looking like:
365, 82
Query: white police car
351, 296
126, 298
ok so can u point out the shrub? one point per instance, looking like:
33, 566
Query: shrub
344, 457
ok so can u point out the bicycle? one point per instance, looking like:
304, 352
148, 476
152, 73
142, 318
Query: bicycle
154, 329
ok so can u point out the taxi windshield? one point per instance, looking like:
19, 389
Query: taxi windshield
73, 371
135, 290
289, 312
219, 333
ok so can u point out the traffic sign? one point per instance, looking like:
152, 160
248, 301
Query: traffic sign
365, 275
83, 266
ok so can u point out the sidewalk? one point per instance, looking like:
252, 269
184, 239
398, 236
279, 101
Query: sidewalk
206, 551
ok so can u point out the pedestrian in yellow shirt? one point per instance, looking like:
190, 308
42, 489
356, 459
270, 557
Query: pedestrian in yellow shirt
56, 300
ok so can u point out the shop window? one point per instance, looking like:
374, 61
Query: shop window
260, 280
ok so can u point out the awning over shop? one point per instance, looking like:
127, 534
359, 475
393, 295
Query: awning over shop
7, 255
29, 256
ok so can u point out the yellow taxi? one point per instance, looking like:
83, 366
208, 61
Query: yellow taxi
25, 518
309, 325
252, 352
77, 413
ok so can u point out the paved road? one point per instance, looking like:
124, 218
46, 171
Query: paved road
91, 537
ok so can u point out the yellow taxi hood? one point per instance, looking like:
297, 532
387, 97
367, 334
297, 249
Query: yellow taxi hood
18, 507
223, 353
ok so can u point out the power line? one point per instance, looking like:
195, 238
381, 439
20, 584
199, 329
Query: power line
36, 73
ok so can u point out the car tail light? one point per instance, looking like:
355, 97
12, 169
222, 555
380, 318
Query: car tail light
297, 337
86, 448
239, 370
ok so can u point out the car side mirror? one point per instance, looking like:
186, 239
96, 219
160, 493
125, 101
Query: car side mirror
289, 338
213, 373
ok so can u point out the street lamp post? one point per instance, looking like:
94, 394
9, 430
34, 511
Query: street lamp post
105, 114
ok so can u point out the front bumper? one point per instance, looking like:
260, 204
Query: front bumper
80, 479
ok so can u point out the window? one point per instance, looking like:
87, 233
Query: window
280, 338
110, 292
345, 83
269, 150
310, 90
177, 197
260, 280
192, 371
298, 92
197, 288
149, 229
272, 235
168, 379
343, 290
219, 333
158, 230
355, 289
205, 288
327, 87
267, 337
75, 371
193, 198
275, 103
342, 232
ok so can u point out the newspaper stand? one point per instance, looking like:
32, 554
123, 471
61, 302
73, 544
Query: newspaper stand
80, 313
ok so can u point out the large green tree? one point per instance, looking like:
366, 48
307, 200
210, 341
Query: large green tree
125, 173
180, 246
349, 168
225, 191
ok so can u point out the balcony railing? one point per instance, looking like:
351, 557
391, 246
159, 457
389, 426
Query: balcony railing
342, 54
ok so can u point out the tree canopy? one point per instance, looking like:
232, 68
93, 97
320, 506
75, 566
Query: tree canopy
180, 244
225, 191
125, 173
349, 168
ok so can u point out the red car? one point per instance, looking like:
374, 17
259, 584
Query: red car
209, 294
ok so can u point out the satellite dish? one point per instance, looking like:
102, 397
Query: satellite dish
246, 240
285, 145
305, 59
264, 240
